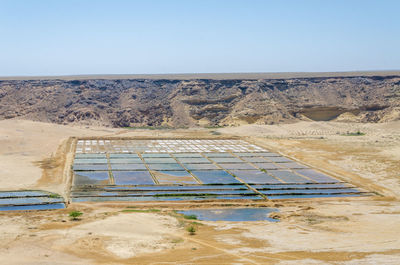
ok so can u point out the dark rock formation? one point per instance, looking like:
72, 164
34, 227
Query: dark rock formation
155, 102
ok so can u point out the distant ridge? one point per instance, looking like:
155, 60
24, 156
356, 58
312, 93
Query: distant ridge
209, 101
215, 76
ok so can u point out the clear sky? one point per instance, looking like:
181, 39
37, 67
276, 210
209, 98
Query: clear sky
56, 37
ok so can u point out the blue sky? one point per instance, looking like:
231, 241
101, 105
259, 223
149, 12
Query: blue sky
203, 36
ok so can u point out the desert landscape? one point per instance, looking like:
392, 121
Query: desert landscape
350, 130
199, 132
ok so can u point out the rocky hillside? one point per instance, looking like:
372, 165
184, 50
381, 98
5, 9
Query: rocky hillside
204, 102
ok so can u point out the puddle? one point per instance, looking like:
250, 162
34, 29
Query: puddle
238, 215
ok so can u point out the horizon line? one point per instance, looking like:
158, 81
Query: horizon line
204, 75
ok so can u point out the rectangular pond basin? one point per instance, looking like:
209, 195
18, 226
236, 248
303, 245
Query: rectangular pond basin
91, 178
28, 201
90, 167
167, 198
246, 154
237, 166
126, 156
226, 160
278, 159
268, 165
174, 177
305, 196
164, 193
187, 155
52, 206
201, 166
301, 186
255, 177
316, 176
292, 165
194, 160
254, 159
128, 167
267, 154
215, 177
222, 154
232, 215
132, 160
164, 167
160, 160
155, 155
288, 176
191, 187
90, 161
16, 194
309, 191
89, 156
132, 178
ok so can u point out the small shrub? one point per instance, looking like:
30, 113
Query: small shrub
75, 214
191, 229
357, 133
190, 217
215, 133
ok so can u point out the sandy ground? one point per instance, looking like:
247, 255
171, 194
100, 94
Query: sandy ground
312, 231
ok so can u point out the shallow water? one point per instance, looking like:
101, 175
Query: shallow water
239, 214
28, 200
33, 207
304, 196
169, 198
196, 187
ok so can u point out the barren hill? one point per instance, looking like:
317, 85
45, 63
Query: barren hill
208, 102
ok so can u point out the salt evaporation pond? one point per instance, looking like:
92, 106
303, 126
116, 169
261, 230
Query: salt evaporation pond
237, 214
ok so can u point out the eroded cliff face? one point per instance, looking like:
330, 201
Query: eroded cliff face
148, 102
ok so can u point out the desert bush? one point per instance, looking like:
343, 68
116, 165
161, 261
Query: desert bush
75, 214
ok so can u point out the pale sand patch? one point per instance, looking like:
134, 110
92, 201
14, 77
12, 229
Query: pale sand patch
128, 234
25, 142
